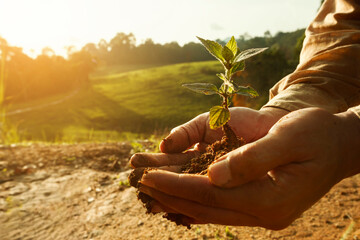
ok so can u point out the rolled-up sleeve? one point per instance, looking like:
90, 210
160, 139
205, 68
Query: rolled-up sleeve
328, 74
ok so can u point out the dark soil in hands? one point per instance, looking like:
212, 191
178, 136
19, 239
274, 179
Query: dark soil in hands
198, 165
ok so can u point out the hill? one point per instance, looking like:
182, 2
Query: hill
113, 105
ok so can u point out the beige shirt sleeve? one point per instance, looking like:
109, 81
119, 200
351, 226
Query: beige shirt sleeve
328, 74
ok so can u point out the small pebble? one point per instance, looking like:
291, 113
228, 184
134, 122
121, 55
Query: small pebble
88, 190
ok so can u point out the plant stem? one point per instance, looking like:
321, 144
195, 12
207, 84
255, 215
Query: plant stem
225, 102
229, 133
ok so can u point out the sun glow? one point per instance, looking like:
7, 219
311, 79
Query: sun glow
36, 24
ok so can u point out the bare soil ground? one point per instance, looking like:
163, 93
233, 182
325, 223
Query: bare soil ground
77, 192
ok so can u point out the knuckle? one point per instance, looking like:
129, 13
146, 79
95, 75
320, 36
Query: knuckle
193, 131
186, 130
175, 129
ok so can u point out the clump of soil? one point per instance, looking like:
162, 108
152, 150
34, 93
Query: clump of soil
198, 165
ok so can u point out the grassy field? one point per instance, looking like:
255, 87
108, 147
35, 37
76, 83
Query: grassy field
117, 105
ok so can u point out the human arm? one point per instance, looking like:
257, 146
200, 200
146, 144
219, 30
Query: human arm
328, 75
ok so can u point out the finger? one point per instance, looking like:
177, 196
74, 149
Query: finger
173, 168
197, 188
186, 135
187, 186
201, 213
252, 161
160, 159
136, 175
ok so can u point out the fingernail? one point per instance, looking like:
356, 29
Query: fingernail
220, 173
138, 160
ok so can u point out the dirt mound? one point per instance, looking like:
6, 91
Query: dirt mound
79, 192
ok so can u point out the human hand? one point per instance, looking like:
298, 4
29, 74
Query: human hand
246, 123
269, 182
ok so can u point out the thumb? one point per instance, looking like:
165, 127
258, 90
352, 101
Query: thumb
186, 135
249, 162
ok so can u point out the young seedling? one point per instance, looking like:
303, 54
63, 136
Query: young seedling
233, 61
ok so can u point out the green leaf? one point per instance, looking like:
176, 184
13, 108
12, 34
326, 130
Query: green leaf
237, 52
238, 66
222, 76
227, 54
227, 88
205, 88
219, 116
222, 88
248, 53
232, 45
246, 91
213, 47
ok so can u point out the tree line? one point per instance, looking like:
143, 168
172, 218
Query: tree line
122, 49
25, 78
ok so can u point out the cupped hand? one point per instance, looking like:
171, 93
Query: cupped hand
196, 134
268, 182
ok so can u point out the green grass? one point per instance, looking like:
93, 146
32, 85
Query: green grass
112, 71
117, 104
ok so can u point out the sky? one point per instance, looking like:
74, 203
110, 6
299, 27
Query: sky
35, 24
